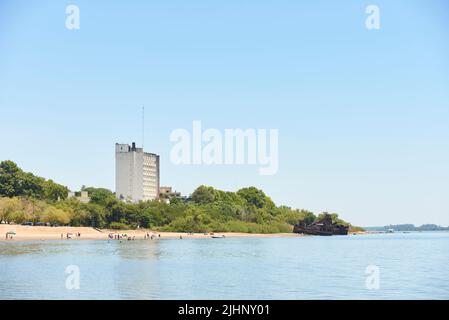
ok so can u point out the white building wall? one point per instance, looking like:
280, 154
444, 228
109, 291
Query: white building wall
150, 176
137, 174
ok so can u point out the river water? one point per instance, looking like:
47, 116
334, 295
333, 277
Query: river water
380, 266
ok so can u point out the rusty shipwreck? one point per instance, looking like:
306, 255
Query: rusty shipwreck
322, 227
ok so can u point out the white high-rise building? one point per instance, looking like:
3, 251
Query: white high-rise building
136, 173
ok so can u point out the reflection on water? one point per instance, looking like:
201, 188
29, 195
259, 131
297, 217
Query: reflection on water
18, 248
412, 266
135, 276
133, 249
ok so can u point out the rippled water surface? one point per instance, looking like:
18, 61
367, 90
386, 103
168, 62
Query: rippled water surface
412, 266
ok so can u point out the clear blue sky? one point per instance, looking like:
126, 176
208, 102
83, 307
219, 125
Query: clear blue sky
363, 116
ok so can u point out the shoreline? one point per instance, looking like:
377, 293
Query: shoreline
33, 233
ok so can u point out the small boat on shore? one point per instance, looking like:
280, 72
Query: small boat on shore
218, 237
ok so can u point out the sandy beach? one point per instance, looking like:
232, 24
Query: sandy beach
29, 233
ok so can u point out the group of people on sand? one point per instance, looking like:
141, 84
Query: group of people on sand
151, 236
147, 236
113, 236
68, 236
9, 236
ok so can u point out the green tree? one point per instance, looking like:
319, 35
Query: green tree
9, 184
55, 216
34, 209
15, 182
204, 195
334, 216
30, 185
10, 209
99, 195
53, 191
256, 197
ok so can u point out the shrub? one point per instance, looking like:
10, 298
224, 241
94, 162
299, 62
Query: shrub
119, 226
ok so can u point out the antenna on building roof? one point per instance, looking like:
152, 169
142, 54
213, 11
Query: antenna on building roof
143, 127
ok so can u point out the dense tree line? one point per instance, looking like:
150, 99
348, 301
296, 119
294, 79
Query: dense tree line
14, 182
25, 197
411, 227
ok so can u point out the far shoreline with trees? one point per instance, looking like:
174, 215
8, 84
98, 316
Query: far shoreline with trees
25, 197
409, 228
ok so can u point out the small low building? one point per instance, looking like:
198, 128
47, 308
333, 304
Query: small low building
166, 194
81, 196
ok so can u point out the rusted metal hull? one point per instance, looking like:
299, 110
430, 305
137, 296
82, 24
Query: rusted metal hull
312, 232
324, 227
